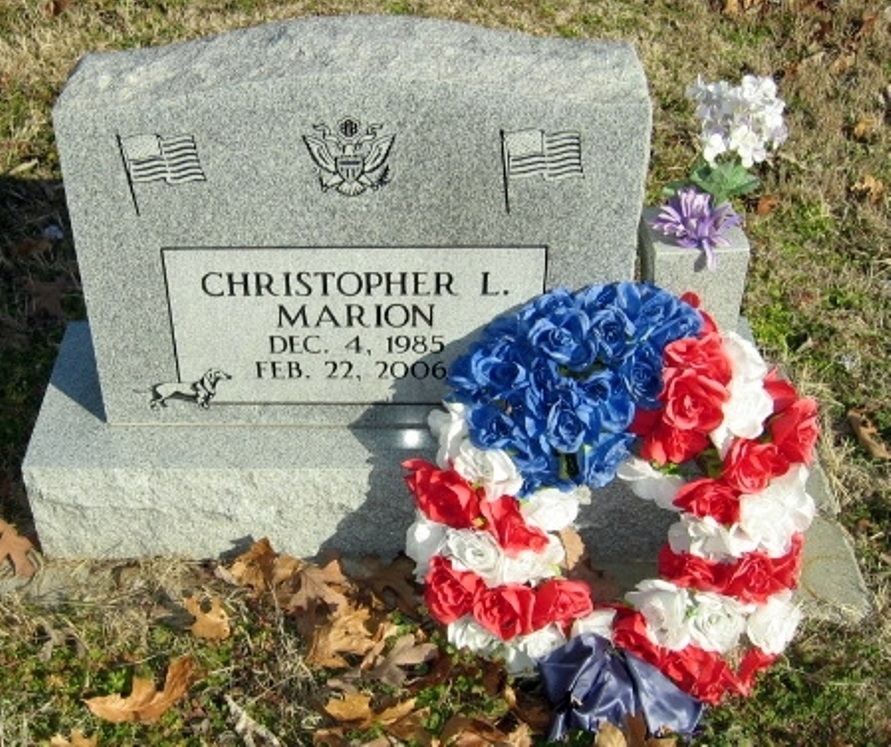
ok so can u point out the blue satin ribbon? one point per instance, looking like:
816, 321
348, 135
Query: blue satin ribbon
589, 682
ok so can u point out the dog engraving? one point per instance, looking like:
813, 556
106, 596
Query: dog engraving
201, 391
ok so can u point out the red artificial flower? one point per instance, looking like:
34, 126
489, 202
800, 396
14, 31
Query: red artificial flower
795, 430
561, 600
702, 674
666, 444
781, 391
703, 354
506, 610
693, 400
686, 569
449, 593
750, 465
443, 495
708, 497
753, 578
756, 576
507, 525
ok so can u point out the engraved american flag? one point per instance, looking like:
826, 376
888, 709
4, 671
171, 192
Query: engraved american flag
552, 155
152, 158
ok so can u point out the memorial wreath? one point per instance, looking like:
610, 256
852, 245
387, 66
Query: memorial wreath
560, 398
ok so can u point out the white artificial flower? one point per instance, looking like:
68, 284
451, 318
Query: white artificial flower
468, 634
716, 622
707, 538
599, 622
781, 510
714, 143
772, 625
450, 429
522, 653
492, 469
648, 483
664, 607
749, 405
475, 551
746, 119
528, 566
550, 509
423, 540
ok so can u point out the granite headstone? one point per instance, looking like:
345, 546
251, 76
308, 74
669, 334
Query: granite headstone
285, 235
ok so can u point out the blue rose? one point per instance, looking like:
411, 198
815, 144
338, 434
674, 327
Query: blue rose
613, 331
642, 375
563, 336
598, 461
609, 398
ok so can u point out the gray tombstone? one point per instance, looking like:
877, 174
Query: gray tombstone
285, 236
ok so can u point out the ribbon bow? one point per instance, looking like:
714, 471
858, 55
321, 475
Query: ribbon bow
588, 682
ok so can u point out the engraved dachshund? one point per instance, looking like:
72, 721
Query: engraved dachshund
201, 391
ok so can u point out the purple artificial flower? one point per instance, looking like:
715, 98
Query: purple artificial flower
690, 218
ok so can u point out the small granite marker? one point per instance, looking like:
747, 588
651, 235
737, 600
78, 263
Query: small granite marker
285, 236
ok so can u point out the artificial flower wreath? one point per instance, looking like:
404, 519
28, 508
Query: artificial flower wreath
622, 381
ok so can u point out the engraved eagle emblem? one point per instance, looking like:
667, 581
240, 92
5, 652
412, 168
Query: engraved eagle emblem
350, 161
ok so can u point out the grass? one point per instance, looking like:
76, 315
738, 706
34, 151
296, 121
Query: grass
818, 297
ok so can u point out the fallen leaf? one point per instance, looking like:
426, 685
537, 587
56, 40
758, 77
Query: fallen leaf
77, 739
16, 548
767, 204
330, 738
868, 435
531, 710
253, 569
316, 585
345, 634
212, 624
464, 731
870, 189
393, 582
145, 704
610, 735
866, 128
406, 652
574, 546
351, 707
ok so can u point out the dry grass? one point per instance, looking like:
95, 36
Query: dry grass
819, 298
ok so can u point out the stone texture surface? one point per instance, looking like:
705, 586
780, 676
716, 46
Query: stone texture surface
671, 266
201, 144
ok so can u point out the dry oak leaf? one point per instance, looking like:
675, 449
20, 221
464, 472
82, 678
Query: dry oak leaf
16, 548
212, 624
355, 708
76, 739
254, 568
392, 582
145, 704
314, 585
344, 634
465, 731
406, 652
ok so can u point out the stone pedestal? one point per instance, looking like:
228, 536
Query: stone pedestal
677, 269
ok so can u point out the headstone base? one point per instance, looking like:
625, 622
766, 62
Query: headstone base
115, 491
98, 490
